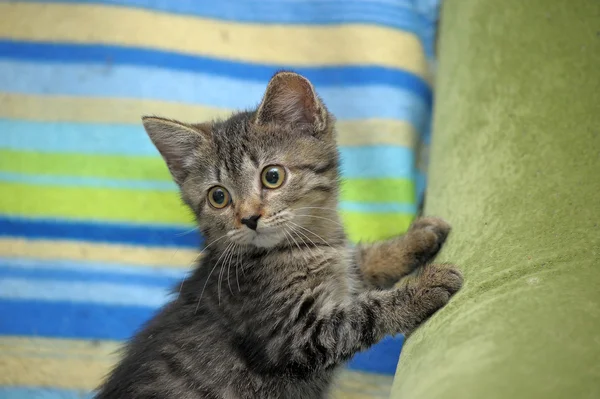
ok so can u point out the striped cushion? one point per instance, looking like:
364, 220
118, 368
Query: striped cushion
92, 232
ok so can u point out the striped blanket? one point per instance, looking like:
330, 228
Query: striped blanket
92, 233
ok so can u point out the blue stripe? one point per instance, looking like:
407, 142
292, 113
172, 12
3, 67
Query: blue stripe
381, 358
71, 320
86, 181
401, 14
372, 207
377, 162
119, 55
83, 292
87, 138
145, 271
360, 102
357, 162
147, 235
81, 272
42, 393
104, 322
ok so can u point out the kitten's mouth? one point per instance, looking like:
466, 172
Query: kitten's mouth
262, 237
265, 238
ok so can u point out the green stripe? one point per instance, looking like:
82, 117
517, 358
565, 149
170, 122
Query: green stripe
108, 166
153, 168
155, 207
92, 203
375, 226
378, 190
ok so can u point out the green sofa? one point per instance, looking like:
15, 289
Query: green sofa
516, 170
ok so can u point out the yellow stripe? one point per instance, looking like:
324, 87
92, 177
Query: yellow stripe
272, 44
376, 131
37, 365
52, 372
77, 364
68, 364
131, 255
118, 110
49, 347
99, 110
360, 385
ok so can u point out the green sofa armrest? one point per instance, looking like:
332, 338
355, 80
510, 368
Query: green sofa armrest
516, 170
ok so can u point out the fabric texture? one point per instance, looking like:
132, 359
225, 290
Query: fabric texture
515, 168
92, 232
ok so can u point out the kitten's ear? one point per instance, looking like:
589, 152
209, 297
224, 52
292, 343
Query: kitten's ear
178, 143
291, 99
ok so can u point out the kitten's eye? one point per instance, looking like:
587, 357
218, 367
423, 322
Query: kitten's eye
218, 197
273, 176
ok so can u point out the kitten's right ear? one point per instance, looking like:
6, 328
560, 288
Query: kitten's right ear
291, 99
177, 142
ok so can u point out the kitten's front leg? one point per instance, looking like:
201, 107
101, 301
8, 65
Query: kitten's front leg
326, 336
419, 297
383, 264
430, 288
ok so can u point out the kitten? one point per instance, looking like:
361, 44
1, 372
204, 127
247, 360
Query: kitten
278, 300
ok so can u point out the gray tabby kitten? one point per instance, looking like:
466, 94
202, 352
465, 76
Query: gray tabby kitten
278, 301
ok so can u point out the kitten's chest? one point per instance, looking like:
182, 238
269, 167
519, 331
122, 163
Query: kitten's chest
277, 279
328, 278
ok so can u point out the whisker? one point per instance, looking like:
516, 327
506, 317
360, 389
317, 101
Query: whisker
213, 242
317, 207
295, 242
186, 232
286, 237
205, 284
198, 257
221, 270
310, 249
237, 264
320, 217
230, 259
208, 279
315, 234
307, 237
174, 253
241, 264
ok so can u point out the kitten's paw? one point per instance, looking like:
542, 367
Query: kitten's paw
426, 237
442, 275
436, 284
439, 227
425, 293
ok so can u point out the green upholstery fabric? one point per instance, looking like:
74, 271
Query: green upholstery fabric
516, 170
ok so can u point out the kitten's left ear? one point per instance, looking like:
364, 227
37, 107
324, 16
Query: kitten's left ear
178, 143
291, 99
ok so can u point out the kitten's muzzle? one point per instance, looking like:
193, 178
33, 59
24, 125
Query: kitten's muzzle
251, 221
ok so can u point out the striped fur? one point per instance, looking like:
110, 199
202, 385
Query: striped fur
272, 312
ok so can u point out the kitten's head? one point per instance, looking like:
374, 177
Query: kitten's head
260, 178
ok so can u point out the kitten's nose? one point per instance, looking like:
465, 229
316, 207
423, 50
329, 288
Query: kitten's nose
251, 221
